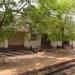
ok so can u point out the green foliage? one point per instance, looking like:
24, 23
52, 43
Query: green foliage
53, 17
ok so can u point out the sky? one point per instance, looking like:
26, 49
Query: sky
16, 0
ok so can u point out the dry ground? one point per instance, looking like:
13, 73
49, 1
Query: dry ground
27, 62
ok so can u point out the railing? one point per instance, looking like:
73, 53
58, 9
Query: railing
51, 70
62, 67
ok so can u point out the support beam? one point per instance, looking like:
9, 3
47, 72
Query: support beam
6, 43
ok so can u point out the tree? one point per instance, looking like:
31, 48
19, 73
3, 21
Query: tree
10, 12
60, 20
53, 17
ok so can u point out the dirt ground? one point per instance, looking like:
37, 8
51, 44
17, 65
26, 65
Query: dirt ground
14, 65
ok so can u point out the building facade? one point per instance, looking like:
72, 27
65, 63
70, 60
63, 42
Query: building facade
19, 40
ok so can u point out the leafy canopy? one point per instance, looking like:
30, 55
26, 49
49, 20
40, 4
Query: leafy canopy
54, 17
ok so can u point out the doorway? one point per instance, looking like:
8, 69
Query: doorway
45, 42
16, 41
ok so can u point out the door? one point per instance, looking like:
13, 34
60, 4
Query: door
17, 41
45, 43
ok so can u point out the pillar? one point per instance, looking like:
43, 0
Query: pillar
6, 43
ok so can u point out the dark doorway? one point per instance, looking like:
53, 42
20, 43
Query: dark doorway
45, 42
65, 44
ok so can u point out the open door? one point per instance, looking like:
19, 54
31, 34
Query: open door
45, 43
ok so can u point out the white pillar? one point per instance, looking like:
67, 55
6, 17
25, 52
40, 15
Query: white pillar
27, 44
26, 41
73, 42
5, 43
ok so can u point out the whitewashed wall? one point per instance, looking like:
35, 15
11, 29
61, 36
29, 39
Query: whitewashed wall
59, 43
4, 44
27, 44
34, 43
55, 43
73, 43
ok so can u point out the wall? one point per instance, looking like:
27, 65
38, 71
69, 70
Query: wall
73, 43
34, 43
55, 43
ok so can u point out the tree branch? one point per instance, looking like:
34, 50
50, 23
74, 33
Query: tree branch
1, 22
5, 4
23, 5
17, 11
